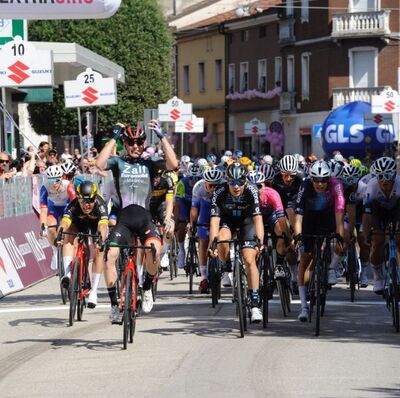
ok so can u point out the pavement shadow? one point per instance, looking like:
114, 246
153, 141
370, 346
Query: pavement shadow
45, 322
383, 392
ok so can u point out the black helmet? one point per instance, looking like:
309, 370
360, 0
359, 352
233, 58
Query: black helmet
160, 166
134, 133
86, 190
236, 171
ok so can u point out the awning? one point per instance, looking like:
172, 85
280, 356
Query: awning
70, 59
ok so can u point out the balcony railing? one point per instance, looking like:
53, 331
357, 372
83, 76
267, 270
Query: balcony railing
342, 96
286, 31
373, 23
287, 102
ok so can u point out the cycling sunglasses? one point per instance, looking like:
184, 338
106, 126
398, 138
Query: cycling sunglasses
236, 183
324, 180
87, 200
54, 180
351, 180
134, 141
386, 176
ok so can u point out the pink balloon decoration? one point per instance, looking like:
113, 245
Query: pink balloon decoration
192, 138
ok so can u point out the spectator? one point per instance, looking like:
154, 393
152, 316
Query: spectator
66, 155
93, 152
51, 157
84, 165
4, 166
44, 147
77, 157
40, 168
93, 169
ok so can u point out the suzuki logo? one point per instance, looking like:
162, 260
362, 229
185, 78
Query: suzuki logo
390, 106
175, 114
18, 72
378, 119
90, 95
189, 125
254, 129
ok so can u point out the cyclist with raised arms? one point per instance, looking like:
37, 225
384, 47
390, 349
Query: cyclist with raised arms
87, 213
200, 214
320, 208
183, 202
55, 194
236, 204
133, 177
381, 205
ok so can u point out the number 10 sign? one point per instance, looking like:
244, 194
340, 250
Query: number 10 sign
90, 89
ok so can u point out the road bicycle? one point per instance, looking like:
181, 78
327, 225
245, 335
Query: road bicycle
129, 295
80, 283
352, 266
172, 257
192, 260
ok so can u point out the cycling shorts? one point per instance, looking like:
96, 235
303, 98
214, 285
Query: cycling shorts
203, 232
380, 217
158, 213
184, 212
247, 231
136, 220
317, 222
56, 211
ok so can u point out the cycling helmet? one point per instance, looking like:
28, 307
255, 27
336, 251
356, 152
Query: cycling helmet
364, 170
256, 177
320, 169
185, 159
160, 166
202, 162
68, 168
245, 161
336, 169
238, 153
356, 162
228, 153
213, 175
224, 159
86, 190
384, 165
54, 171
351, 173
194, 170
268, 159
299, 158
288, 164
134, 132
211, 158
236, 171
268, 172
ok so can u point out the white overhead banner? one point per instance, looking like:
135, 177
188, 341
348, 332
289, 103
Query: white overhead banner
58, 9
196, 125
175, 110
22, 65
255, 127
90, 89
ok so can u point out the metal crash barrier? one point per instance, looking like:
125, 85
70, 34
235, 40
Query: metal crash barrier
15, 197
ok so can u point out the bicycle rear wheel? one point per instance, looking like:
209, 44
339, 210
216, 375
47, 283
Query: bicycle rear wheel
318, 301
127, 332
239, 297
395, 294
282, 296
82, 302
74, 291
268, 287
191, 263
351, 264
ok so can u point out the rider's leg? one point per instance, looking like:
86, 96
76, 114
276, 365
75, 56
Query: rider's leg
51, 237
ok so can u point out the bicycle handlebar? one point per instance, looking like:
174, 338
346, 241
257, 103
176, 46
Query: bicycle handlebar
107, 247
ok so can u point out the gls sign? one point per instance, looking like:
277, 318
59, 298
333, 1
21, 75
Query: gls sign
336, 134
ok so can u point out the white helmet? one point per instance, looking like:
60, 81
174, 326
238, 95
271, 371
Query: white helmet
384, 165
68, 168
268, 172
185, 159
320, 169
202, 162
228, 153
268, 159
194, 170
54, 171
336, 169
224, 159
213, 175
300, 158
351, 173
288, 164
256, 177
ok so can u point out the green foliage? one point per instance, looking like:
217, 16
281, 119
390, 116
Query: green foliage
137, 38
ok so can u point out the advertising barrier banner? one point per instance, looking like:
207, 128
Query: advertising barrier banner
24, 257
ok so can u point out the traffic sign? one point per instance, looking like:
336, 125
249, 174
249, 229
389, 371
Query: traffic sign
175, 110
22, 65
387, 102
90, 89
196, 125
255, 127
11, 28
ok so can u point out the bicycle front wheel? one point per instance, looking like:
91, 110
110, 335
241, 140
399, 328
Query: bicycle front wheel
239, 297
351, 264
61, 272
395, 294
127, 309
74, 291
318, 301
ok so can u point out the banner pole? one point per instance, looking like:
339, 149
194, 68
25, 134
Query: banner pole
80, 130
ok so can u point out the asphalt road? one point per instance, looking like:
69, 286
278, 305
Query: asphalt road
185, 348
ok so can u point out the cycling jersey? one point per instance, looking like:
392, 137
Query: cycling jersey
310, 200
234, 209
201, 200
350, 194
184, 196
374, 195
163, 190
288, 193
271, 205
74, 215
362, 187
133, 179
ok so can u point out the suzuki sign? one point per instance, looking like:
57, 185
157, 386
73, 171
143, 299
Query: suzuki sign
175, 110
58, 9
90, 89
21, 65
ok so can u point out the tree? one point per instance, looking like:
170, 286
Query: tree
137, 37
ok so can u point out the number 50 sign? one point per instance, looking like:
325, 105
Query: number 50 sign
22, 65
90, 89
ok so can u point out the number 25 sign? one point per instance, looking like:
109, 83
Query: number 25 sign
22, 65
90, 89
